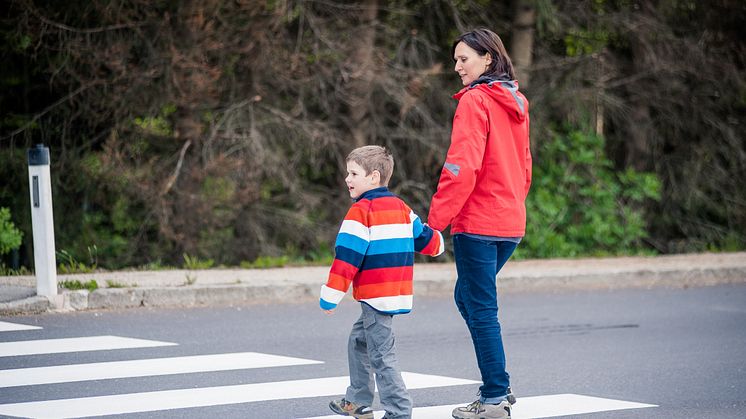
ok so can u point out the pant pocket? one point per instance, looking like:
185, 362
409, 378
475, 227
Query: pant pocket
369, 317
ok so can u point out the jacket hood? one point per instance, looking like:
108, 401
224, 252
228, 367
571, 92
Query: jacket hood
504, 91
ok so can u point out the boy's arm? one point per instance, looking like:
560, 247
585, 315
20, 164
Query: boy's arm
426, 240
349, 249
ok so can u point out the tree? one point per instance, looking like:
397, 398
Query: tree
10, 236
219, 129
522, 45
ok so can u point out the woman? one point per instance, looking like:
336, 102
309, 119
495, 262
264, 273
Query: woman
481, 195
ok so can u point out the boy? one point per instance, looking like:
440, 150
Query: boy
375, 252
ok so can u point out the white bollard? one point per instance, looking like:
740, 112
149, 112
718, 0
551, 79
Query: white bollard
40, 186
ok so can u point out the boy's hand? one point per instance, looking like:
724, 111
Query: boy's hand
425, 224
328, 312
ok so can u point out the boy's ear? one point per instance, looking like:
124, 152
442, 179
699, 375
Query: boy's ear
375, 177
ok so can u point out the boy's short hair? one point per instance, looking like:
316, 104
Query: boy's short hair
373, 157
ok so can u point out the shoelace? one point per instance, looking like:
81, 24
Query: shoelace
475, 407
345, 404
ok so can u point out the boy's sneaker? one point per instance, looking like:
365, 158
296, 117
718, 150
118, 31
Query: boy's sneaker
345, 408
478, 410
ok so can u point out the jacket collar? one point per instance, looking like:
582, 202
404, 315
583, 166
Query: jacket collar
375, 193
504, 91
489, 81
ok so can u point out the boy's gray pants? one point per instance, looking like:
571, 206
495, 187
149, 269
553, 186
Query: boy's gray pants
371, 350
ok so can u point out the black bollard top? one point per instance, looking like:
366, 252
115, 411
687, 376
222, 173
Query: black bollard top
38, 156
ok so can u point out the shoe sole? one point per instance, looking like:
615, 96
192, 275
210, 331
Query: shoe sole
481, 417
507, 409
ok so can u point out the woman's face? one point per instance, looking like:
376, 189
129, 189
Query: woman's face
469, 64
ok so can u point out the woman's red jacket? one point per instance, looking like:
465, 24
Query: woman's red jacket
487, 173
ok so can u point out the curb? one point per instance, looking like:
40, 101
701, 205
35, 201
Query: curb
30, 305
645, 279
191, 296
302, 285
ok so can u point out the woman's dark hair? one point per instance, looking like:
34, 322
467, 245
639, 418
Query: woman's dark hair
482, 41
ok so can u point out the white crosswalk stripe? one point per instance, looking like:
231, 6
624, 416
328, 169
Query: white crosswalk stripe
145, 367
206, 396
12, 327
91, 343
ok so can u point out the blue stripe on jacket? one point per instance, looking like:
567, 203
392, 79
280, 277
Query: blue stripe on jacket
352, 242
348, 255
378, 247
417, 227
421, 241
388, 260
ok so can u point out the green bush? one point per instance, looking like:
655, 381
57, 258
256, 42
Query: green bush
10, 236
578, 205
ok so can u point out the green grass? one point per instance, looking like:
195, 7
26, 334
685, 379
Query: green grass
265, 262
22, 271
194, 262
114, 284
91, 285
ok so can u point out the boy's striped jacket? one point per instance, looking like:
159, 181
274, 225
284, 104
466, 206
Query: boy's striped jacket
375, 252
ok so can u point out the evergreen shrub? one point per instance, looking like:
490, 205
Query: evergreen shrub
579, 206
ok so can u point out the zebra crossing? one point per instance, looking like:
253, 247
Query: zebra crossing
57, 346
144, 368
207, 396
10, 327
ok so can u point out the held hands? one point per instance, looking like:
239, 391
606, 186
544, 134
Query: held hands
328, 312
427, 225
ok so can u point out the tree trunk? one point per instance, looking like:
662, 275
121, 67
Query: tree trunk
522, 45
363, 72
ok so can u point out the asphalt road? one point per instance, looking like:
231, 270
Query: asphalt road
683, 350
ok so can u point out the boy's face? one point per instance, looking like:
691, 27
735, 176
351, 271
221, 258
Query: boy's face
358, 182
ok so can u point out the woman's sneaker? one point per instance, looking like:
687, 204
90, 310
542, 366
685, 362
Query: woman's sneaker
479, 410
345, 408
510, 396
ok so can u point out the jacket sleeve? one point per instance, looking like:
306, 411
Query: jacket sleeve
463, 161
529, 168
349, 249
426, 240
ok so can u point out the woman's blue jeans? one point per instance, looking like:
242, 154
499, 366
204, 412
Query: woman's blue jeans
477, 263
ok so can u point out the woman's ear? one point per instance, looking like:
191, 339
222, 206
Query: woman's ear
488, 58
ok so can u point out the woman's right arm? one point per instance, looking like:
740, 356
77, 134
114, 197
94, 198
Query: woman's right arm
463, 161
